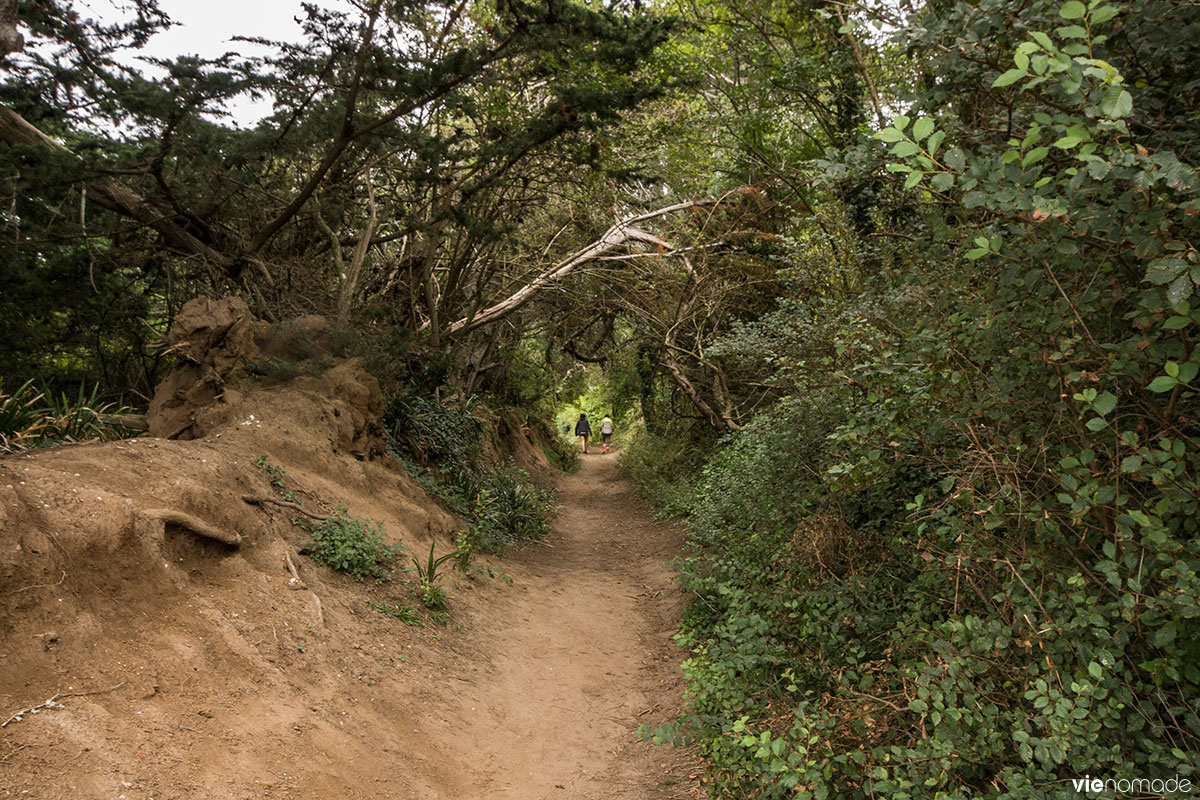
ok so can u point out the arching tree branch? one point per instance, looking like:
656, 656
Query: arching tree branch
623, 232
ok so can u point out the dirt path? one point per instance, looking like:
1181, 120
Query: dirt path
581, 657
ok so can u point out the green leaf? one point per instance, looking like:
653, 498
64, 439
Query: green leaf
1009, 78
905, 149
913, 179
1165, 270
1034, 156
1187, 371
1163, 383
1095, 670
1103, 14
1043, 40
900, 122
1067, 142
1179, 290
890, 135
1073, 10
935, 141
942, 181
1096, 424
1072, 32
922, 128
1116, 102
1164, 636
1105, 403
1131, 463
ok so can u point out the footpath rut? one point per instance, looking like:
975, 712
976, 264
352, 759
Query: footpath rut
581, 656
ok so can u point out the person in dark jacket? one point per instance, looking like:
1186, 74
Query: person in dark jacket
583, 430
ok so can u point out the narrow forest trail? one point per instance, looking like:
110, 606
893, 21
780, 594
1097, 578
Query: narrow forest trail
582, 655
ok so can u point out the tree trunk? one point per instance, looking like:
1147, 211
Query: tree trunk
11, 40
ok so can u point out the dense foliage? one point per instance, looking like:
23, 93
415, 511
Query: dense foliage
443, 448
958, 555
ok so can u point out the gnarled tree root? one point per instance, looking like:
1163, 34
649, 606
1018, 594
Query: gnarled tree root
192, 525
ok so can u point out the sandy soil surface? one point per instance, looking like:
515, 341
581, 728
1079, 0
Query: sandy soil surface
214, 678
581, 656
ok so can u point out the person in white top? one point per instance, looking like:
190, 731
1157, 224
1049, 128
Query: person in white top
606, 431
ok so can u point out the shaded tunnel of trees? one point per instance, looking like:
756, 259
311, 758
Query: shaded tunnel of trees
899, 298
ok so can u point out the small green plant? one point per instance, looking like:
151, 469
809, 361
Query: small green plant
432, 595
351, 545
278, 478
300, 645
494, 573
405, 614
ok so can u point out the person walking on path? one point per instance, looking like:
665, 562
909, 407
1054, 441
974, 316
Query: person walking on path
583, 430
606, 432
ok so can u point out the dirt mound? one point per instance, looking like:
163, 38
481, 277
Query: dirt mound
225, 354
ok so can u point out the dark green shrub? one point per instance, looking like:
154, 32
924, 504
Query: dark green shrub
443, 449
509, 511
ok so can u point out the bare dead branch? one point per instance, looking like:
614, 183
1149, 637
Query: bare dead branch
53, 703
619, 234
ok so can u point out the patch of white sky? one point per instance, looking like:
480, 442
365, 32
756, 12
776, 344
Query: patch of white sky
207, 28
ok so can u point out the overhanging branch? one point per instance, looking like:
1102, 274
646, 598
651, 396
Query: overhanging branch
619, 234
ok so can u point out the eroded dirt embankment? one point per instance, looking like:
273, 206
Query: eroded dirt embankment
218, 678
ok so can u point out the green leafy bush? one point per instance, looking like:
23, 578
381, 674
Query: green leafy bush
962, 558
509, 511
350, 545
427, 433
666, 465
561, 453
502, 506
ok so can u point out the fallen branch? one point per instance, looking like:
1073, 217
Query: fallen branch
134, 422
193, 525
254, 499
53, 703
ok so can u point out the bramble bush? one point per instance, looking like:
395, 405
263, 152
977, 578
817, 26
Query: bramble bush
978, 578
